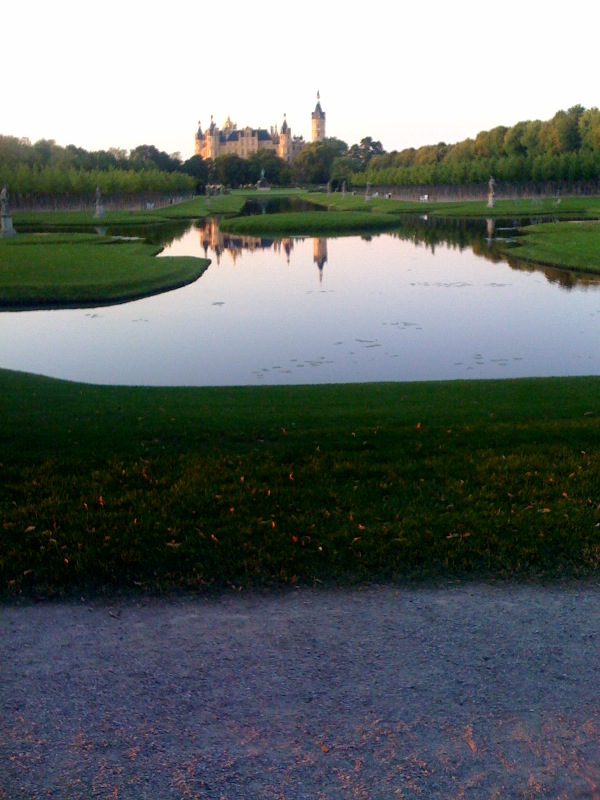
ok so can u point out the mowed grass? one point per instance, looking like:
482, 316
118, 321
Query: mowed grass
152, 489
561, 244
59, 270
538, 207
310, 223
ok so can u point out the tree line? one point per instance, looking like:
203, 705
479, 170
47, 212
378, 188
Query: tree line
564, 148
46, 169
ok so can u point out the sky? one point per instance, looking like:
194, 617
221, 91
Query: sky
120, 74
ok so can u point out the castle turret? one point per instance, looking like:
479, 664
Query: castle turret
198, 140
284, 147
318, 121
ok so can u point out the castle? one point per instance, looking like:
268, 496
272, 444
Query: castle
230, 139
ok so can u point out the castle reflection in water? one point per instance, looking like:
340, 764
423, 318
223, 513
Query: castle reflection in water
212, 238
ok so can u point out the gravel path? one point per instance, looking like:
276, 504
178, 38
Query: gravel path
469, 691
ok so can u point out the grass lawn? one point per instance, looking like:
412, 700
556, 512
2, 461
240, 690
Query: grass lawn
58, 270
581, 207
161, 489
561, 244
310, 223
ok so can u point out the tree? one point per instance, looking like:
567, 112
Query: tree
313, 165
513, 140
490, 144
364, 152
147, 155
268, 161
566, 124
589, 129
197, 167
229, 170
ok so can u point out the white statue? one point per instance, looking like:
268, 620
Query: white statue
491, 199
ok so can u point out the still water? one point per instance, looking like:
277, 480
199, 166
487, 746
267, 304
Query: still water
309, 310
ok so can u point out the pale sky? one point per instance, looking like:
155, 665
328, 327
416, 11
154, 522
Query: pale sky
119, 74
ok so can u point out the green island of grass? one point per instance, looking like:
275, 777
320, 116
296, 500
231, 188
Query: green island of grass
60, 270
575, 245
310, 223
153, 489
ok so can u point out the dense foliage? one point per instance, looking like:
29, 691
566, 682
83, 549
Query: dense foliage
564, 148
47, 169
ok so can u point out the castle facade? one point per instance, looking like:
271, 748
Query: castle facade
242, 142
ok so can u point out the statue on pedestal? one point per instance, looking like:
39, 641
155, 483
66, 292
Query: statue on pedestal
6, 226
100, 213
491, 201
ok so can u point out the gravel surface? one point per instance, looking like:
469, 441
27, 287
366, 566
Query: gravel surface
466, 691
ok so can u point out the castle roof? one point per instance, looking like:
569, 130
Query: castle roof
318, 112
234, 135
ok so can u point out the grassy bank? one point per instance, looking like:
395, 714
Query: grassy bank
310, 223
189, 209
546, 207
137, 488
575, 245
59, 270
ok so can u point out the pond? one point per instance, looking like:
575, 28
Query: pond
426, 302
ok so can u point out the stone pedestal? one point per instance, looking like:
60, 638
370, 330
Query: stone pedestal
6, 226
491, 199
100, 212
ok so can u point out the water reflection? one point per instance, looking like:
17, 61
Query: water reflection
277, 205
426, 302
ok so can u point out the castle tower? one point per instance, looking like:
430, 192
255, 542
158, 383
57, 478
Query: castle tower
284, 147
318, 121
198, 140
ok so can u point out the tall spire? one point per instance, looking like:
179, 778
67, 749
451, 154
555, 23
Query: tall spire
318, 121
